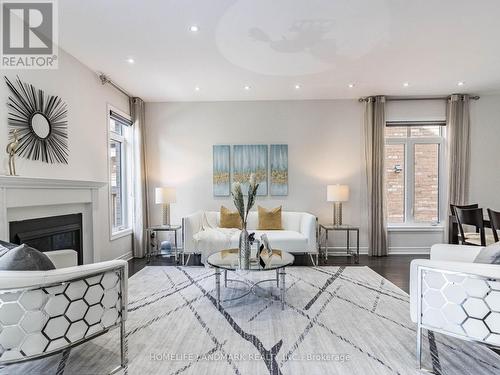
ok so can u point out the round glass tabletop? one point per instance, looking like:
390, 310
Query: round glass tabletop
229, 260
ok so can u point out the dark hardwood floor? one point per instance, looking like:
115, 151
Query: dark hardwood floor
395, 268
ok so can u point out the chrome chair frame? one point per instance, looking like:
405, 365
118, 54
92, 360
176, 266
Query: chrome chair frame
120, 324
421, 326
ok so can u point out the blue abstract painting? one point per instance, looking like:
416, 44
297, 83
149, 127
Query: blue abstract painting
279, 170
221, 165
248, 159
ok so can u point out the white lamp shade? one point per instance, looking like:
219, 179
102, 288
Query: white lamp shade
165, 195
337, 193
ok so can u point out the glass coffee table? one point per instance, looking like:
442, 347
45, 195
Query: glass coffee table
227, 260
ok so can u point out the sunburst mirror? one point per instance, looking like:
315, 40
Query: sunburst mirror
41, 123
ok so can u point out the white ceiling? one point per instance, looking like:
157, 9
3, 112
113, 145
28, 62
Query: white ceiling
272, 45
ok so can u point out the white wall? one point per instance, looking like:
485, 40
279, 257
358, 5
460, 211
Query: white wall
87, 100
324, 145
318, 134
485, 151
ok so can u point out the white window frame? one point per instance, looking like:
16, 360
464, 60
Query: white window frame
126, 173
409, 170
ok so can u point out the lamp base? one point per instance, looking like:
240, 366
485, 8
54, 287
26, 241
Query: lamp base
166, 214
337, 213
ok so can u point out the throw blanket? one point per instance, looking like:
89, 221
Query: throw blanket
212, 240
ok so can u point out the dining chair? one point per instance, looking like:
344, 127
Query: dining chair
453, 213
466, 206
474, 217
495, 222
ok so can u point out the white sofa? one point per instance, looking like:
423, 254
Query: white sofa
202, 234
44, 312
452, 295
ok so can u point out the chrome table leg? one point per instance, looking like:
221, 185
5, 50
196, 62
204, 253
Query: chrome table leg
278, 278
225, 278
282, 274
217, 286
419, 347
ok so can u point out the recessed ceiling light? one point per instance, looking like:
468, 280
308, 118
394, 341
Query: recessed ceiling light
130, 60
194, 28
351, 85
297, 87
197, 88
406, 84
247, 87
461, 83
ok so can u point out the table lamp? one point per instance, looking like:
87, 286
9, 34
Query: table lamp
165, 196
337, 194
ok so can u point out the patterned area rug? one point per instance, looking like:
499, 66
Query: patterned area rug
337, 320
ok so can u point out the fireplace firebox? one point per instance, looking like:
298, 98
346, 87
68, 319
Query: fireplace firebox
50, 233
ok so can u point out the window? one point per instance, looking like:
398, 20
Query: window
413, 165
119, 179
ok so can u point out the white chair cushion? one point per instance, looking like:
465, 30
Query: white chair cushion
454, 253
63, 258
285, 239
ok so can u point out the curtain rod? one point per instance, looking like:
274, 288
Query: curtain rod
105, 79
403, 98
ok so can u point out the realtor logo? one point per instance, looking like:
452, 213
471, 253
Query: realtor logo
29, 34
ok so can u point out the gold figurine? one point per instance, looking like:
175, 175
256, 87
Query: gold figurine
11, 150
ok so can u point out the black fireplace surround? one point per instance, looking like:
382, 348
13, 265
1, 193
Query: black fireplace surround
50, 233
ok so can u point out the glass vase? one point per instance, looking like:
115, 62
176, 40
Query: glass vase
244, 250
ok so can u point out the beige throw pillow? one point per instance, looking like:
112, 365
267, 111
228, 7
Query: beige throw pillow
270, 219
229, 219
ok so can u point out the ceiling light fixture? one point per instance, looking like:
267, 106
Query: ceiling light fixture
130, 60
297, 87
247, 87
197, 88
351, 85
461, 83
406, 84
194, 28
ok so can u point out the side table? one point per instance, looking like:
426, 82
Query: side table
346, 228
162, 228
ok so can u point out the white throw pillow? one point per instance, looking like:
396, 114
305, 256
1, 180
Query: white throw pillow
489, 255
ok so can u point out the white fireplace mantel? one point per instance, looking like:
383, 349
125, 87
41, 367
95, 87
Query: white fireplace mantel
11, 182
27, 193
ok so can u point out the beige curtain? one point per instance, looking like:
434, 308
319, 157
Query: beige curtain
458, 135
374, 156
141, 201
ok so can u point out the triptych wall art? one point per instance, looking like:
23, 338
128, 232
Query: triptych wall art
248, 159
279, 169
222, 184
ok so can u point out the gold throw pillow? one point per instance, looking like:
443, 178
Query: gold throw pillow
229, 219
270, 219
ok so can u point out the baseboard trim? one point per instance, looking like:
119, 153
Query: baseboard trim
409, 250
127, 256
334, 251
